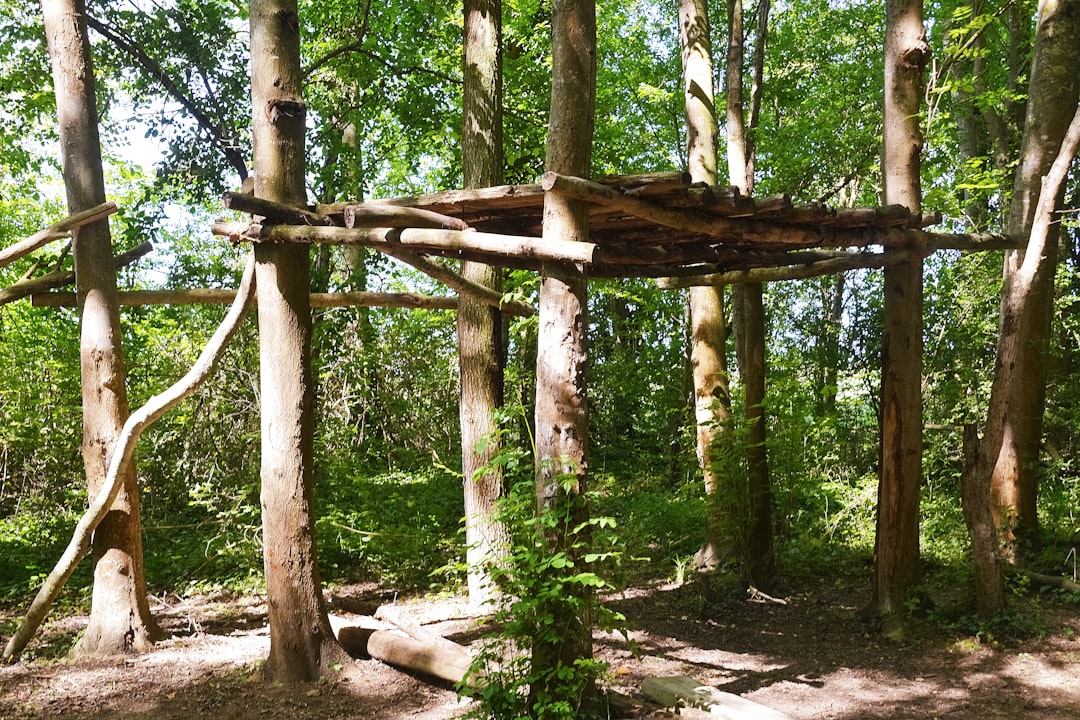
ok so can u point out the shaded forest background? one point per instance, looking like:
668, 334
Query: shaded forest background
383, 88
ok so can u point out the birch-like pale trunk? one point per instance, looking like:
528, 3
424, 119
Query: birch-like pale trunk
708, 335
1010, 448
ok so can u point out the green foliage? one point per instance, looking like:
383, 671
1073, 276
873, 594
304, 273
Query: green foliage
399, 528
545, 585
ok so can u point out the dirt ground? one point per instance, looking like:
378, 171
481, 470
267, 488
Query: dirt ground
808, 658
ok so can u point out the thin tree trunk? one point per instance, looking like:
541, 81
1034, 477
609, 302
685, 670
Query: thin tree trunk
712, 402
479, 325
896, 554
1010, 450
833, 303
974, 492
750, 331
302, 644
562, 411
120, 620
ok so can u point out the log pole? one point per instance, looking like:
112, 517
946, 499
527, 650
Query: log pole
56, 231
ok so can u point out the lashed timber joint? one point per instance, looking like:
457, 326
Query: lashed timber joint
657, 225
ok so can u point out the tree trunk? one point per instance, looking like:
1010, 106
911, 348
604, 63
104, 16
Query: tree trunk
760, 565
712, 402
120, 619
302, 644
1010, 450
896, 552
562, 411
974, 492
833, 305
479, 325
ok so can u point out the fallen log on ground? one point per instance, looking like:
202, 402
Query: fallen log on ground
398, 617
1054, 581
441, 661
682, 691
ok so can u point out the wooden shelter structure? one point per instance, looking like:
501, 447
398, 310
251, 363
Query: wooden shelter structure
656, 225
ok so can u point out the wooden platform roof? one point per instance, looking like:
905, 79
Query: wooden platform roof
655, 225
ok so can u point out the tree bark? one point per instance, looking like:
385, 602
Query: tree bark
562, 411
896, 553
302, 644
708, 335
974, 492
1010, 448
120, 620
479, 325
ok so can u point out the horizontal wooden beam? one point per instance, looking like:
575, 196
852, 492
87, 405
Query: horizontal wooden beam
850, 261
377, 215
426, 240
224, 296
30, 286
56, 231
242, 202
455, 281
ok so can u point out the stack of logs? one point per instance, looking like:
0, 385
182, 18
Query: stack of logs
657, 225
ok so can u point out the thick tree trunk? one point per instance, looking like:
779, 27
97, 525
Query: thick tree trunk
562, 411
896, 553
120, 619
302, 644
479, 325
1010, 450
708, 335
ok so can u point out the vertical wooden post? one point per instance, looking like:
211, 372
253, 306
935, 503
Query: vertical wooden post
562, 411
896, 553
302, 644
750, 308
479, 326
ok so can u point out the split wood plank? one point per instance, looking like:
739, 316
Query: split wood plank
684, 691
56, 231
746, 232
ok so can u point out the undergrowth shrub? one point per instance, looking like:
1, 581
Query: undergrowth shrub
541, 591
